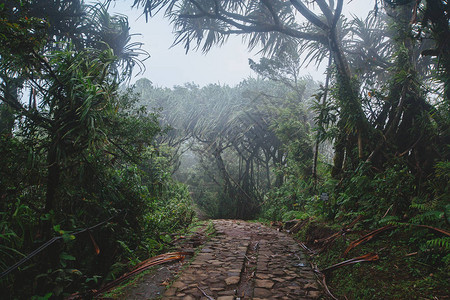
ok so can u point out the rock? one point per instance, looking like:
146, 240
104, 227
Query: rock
217, 269
216, 262
279, 279
178, 284
314, 294
293, 287
268, 284
227, 293
170, 292
262, 293
263, 276
225, 298
288, 278
232, 280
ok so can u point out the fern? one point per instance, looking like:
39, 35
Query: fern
428, 212
442, 242
389, 220
419, 206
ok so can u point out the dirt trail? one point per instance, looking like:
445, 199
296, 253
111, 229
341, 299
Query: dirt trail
246, 261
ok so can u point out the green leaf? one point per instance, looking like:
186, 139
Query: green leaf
65, 256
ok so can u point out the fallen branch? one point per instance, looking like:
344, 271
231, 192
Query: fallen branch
51, 241
325, 286
364, 258
205, 294
387, 211
153, 261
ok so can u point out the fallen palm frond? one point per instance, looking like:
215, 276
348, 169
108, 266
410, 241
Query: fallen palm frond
321, 279
96, 248
364, 258
434, 228
294, 226
311, 252
366, 238
329, 240
372, 234
153, 261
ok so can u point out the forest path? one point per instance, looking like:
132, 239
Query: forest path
246, 261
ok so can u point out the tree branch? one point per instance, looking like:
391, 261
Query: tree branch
309, 15
326, 11
337, 13
269, 6
32, 115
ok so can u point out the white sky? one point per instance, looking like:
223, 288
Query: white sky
227, 64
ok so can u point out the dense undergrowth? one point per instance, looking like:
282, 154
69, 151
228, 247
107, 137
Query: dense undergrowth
85, 180
409, 266
141, 208
414, 261
196, 234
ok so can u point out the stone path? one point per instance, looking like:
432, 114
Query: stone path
246, 261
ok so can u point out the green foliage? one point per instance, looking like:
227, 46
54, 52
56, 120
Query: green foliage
440, 242
380, 193
79, 153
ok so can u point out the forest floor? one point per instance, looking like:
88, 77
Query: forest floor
242, 260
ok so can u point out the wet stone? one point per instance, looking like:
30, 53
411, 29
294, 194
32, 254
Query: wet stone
282, 272
263, 276
311, 286
262, 293
232, 280
170, 292
225, 298
264, 283
229, 292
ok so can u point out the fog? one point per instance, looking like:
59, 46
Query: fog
228, 64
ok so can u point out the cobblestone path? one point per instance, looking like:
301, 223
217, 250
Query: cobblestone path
246, 261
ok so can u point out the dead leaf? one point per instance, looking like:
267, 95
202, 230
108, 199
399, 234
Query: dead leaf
96, 248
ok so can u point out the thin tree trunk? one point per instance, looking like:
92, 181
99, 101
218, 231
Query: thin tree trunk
53, 174
324, 101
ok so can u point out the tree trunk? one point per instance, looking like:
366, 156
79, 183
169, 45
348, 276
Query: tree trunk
324, 101
53, 173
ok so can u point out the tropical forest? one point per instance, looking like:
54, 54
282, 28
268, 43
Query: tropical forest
283, 185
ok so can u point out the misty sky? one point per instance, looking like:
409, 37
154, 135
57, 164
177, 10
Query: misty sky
227, 64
